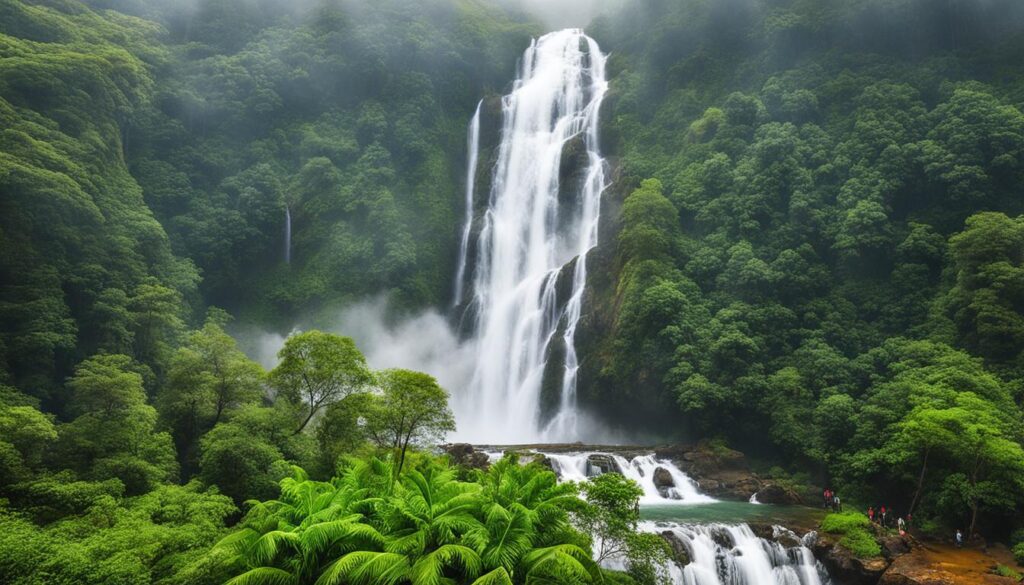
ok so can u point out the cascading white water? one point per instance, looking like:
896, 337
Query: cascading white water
525, 240
287, 235
473, 152
723, 554
641, 469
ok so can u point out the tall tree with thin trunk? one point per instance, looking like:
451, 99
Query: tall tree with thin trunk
318, 369
412, 409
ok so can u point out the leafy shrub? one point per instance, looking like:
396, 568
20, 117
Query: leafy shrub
1004, 571
844, 522
1018, 553
854, 528
1017, 536
860, 543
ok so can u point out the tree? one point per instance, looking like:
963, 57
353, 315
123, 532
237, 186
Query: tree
317, 369
412, 409
114, 434
343, 428
611, 516
246, 455
206, 377
987, 445
25, 435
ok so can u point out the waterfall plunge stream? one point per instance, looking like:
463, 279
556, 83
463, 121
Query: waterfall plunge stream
528, 235
722, 554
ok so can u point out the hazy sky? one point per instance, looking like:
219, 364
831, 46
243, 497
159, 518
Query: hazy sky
564, 13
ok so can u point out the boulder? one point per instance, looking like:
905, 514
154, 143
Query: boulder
465, 455
775, 494
719, 471
544, 461
783, 536
894, 546
663, 478
599, 463
844, 567
680, 553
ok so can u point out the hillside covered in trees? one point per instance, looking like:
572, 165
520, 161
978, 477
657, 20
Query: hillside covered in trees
811, 250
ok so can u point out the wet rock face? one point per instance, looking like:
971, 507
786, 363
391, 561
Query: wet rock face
680, 554
720, 472
776, 494
844, 567
465, 455
599, 463
544, 461
663, 479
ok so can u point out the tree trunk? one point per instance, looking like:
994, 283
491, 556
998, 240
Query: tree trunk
974, 496
974, 518
312, 411
920, 481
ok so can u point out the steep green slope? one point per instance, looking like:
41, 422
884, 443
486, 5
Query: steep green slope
84, 266
802, 258
351, 114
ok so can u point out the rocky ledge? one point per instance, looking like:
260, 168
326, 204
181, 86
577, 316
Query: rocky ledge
847, 569
724, 473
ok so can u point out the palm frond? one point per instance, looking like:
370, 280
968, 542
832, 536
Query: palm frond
562, 562
319, 537
267, 546
498, 576
372, 568
429, 569
264, 576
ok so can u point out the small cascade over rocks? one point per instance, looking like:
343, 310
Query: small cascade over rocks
661, 480
287, 235
473, 154
723, 554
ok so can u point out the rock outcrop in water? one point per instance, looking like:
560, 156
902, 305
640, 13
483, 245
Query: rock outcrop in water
720, 472
775, 494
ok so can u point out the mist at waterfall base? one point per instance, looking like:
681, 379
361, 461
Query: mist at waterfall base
425, 342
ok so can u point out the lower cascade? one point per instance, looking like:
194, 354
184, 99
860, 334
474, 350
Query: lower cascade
661, 480
723, 554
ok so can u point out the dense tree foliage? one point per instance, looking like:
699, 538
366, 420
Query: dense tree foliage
819, 241
349, 114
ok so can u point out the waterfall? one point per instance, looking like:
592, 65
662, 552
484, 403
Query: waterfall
526, 238
680, 489
473, 150
723, 554
288, 235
